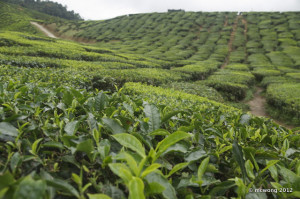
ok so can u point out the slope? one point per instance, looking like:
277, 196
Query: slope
83, 121
17, 18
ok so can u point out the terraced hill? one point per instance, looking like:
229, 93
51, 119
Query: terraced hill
145, 112
231, 52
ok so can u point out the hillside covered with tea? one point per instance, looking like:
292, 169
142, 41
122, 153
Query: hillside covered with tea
149, 106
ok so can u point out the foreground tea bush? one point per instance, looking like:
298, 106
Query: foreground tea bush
61, 142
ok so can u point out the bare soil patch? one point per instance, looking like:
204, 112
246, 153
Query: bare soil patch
257, 104
232, 35
49, 30
257, 107
43, 29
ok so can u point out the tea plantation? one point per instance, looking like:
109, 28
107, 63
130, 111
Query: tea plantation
153, 109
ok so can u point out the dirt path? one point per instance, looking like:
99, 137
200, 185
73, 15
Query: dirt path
226, 21
257, 107
232, 35
257, 104
44, 30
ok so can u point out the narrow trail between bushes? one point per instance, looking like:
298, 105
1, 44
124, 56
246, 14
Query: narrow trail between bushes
257, 107
257, 104
44, 30
232, 36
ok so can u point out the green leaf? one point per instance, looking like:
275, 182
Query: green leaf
222, 188
76, 178
202, 169
34, 147
122, 171
53, 144
86, 146
63, 186
195, 155
136, 188
238, 155
8, 129
177, 167
70, 159
101, 101
274, 172
169, 141
249, 169
269, 164
290, 177
67, 98
169, 191
167, 116
71, 127
130, 161
113, 125
154, 188
295, 194
98, 196
224, 149
86, 187
29, 188
6, 179
113, 192
162, 132
286, 145
241, 187
152, 112
178, 147
15, 161
128, 108
3, 192
131, 142
104, 148
150, 169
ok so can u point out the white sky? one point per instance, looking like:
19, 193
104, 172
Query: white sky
105, 9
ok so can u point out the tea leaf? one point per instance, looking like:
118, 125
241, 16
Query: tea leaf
131, 142
136, 188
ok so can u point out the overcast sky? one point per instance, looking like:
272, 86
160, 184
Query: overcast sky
105, 9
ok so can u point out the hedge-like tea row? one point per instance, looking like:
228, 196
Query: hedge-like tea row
233, 84
285, 97
199, 70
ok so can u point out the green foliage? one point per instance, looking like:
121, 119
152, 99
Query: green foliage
285, 97
280, 59
49, 7
232, 84
261, 73
238, 56
239, 67
195, 89
295, 76
294, 53
69, 129
16, 18
259, 61
199, 70
274, 80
